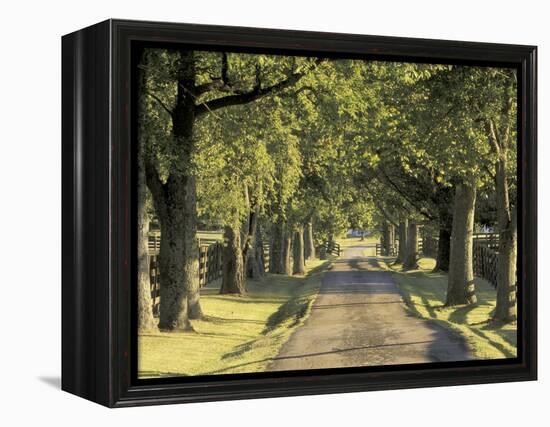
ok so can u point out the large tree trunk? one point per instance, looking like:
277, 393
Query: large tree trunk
443, 249
402, 253
286, 267
461, 288
276, 249
445, 228
146, 321
507, 247
411, 256
175, 203
233, 281
249, 248
178, 268
298, 266
309, 244
258, 270
255, 261
386, 239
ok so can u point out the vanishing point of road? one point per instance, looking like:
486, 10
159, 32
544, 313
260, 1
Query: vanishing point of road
359, 318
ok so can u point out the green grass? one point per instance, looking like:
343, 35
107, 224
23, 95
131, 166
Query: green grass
424, 292
355, 241
239, 334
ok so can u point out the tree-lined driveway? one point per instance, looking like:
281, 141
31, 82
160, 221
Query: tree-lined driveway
360, 319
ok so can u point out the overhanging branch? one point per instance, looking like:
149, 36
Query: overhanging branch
256, 93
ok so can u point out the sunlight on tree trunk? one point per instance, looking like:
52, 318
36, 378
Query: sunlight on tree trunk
461, 288
276, 248
298, 266
402, 253
286, 267
309, 249
412, 247
507, 247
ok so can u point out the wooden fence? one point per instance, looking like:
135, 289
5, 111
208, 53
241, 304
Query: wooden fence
210, 264
488, 239
380, 251
428, 246
266, 251
485, 261
485, 254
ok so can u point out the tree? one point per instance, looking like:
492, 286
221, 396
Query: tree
500, 127
460, 287
198, 84
146, 320
411, 255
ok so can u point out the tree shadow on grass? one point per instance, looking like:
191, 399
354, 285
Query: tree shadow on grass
216, 319
460, 314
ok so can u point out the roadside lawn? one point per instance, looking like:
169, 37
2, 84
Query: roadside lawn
239, 333
424, 294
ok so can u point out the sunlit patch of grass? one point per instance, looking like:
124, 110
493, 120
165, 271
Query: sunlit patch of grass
424, 292
346, 242
239, 333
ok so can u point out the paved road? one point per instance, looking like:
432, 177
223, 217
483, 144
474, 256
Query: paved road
359, 319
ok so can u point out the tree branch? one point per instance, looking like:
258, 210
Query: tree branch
405, 196
159, 101
155, 185
256, 93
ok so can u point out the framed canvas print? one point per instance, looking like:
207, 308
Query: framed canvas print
259, 213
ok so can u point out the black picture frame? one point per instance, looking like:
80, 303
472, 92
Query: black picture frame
98, 330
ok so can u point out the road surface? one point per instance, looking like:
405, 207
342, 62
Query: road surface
360, 319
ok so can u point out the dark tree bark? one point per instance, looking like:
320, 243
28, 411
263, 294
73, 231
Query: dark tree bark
176, 271
276, 248
298, 261
411, 257
233, 281
249, 247
257, 268
286, 267
402, 253
444, 200
146, 321
443, 247
309, 244
461, 288
507, 245
386, 239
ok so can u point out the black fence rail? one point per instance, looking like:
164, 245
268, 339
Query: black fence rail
210, 263
154, 280
266, 252
428, 246
333, 248
381, 250
328, 247
485, 262
488, 239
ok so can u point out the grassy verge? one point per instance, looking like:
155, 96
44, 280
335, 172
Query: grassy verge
424, 292
239, 334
